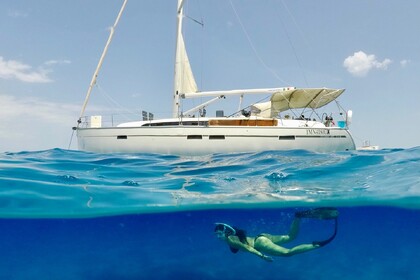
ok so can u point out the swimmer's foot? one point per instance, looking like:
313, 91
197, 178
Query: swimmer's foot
323, 213
325, 242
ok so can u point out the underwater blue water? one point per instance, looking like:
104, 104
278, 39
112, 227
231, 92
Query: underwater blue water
76, 215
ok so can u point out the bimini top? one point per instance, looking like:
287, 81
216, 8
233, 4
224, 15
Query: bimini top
295, 99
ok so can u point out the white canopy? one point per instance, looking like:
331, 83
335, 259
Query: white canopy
296, 98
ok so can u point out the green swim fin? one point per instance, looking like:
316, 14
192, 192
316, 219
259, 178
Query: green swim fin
323, 213
325, 242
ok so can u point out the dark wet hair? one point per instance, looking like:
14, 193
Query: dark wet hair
241, 234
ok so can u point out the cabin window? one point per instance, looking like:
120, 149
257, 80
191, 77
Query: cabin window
194, 137
122, 137
217, 137
287, 137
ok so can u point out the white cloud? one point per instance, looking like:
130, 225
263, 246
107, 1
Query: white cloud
29, 123
17, 14
34, 124
404, 62
359, 64
16, 70
34, 109
54, 62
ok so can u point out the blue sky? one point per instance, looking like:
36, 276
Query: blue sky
49, 51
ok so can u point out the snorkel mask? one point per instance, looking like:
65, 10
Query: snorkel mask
224, 230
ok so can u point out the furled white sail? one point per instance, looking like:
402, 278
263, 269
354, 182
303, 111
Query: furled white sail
184, 78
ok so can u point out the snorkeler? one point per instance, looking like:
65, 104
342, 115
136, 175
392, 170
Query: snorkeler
266, 244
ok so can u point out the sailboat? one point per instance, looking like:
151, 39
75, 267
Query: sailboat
265, 126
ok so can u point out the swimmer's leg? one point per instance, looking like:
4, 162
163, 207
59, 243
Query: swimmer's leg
266, 246
269, 244
293, 232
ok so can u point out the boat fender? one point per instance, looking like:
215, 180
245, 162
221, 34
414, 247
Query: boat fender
349, 117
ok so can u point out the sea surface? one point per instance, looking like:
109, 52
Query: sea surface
76, 215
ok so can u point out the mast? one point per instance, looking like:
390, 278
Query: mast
95, 74
183, 76
180, 15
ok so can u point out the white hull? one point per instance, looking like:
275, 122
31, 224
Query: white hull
252, 128
199, 140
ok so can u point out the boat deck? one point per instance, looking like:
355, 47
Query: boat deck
242, 122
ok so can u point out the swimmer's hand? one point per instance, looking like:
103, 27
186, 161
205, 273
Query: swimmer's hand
267, 258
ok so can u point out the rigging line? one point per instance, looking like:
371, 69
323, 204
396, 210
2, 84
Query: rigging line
201, 23
291, 44
295, 22
113, 101
246, 107
101, 59
71, 139
253, 47
195, 20
202, 50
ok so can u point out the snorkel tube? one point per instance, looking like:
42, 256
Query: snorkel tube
224, 228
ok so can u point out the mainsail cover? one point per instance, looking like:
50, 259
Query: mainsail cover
295, 99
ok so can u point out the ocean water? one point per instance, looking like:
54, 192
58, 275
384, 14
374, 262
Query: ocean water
76, 215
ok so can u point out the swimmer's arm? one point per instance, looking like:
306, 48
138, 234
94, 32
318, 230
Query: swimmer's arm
258, 253
250, 249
